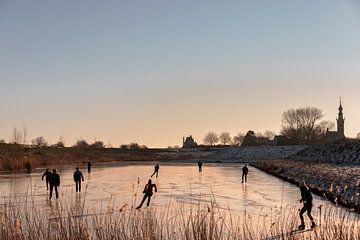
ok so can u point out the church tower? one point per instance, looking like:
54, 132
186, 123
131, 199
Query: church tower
340, 122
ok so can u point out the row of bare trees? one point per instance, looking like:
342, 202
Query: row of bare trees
224, 138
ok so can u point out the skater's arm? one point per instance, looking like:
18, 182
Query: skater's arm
42, 178
82, 177
155, 187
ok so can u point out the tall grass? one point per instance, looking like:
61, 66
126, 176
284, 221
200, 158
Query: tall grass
20, 218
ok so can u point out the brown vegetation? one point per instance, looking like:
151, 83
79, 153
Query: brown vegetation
16, 157
20, 221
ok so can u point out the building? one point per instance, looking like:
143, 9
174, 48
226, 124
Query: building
251, 139
189, 142
332, 136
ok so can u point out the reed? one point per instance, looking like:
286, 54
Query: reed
21, 218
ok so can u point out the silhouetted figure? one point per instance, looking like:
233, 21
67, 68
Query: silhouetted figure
148, 191
89, 166
78, 177
200, 166
307, 199
54, 183
47, 175
156, 170
245, 172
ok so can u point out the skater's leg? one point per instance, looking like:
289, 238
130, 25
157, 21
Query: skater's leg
148, 202
302, 211
51, 190
56, 192
142, 202
309, 207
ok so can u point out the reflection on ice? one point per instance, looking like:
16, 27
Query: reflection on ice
121, 184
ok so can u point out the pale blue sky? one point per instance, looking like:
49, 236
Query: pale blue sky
154, 71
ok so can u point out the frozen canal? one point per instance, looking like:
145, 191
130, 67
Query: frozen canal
117, 184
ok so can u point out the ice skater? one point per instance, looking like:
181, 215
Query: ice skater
54, 183
148, 191
47, 175
200, 166
78, 177
245, 172
306, 199
156, 170
89, 164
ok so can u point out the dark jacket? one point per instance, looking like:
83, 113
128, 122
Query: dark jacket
78, 176
55, 179
245, 170
47, 175
306, 196
148, 190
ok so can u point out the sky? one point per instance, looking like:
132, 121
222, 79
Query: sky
154, 71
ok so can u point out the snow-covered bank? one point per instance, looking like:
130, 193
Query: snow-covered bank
340, 184
341, 152
250, 154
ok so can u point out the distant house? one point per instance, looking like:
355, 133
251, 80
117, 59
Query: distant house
332, 136
251, 139
281, 140
189, 142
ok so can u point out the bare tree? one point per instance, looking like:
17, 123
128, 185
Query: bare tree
24, 134
2, 141
225, 138
98, 144
39, 142
17, 136
269, 134
81, 143
238, 139
211, 138
358, 136
303, 124
60, 143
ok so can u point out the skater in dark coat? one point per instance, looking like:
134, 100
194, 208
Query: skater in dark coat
78, 176
245, 172
200, 166
54, 183
89, 166
306, 199
156, 170
148, 191
47, 176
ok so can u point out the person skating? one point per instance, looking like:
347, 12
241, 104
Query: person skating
78, 177
200, 166
245, 172
89, 164
306, 199
156, 170
47, 175
54, 183
148, 192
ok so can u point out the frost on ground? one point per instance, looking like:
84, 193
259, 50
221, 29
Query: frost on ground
250, 154
341, 152
339, 183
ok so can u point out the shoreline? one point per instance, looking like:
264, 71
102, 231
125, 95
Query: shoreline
276, 169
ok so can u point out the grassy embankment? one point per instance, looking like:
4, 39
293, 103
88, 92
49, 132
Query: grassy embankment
338, 183
24, 158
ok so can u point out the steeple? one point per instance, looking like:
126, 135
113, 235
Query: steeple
340, 121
